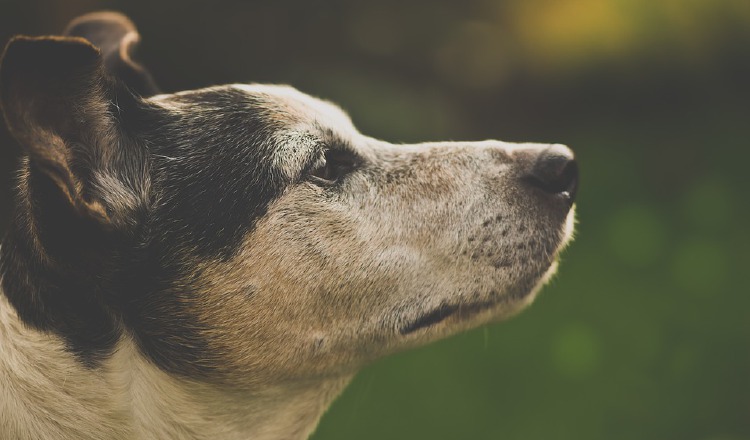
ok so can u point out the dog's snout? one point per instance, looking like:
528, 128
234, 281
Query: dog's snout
554, 171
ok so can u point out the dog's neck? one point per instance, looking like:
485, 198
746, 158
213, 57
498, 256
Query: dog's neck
45, 393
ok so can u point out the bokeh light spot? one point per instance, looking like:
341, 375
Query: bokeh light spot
709, 204
577, 351
637, 235
700, 266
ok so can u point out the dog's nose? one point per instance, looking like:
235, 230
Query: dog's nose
555, 171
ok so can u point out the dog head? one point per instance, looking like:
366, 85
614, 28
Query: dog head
246, 234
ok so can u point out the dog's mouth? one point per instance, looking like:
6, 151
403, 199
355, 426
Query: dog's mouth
524, 294
445, 311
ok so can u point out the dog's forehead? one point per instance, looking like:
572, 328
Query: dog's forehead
307, 123
280, 105
297, 106
295, 125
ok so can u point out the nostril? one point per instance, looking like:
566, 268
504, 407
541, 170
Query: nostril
557, 177
555, 171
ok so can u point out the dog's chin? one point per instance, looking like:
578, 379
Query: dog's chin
463, 315
451, 317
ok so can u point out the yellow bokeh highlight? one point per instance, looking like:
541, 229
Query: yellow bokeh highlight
559, 31
563, 34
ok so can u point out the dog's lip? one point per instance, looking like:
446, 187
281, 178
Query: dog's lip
464, 311
445, 311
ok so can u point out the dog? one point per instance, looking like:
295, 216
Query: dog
219, 263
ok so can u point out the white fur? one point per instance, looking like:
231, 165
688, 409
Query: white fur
46, 394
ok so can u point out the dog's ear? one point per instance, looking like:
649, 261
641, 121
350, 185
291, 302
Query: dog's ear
116, 37
66, 113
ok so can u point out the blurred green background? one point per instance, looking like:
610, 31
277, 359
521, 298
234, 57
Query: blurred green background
645, 334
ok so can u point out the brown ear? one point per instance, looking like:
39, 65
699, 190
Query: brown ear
66, 113
52, 96
116, 37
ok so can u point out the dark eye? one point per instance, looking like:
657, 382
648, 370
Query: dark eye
334, 166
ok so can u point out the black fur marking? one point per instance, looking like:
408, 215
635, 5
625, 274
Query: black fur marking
212, 169
211, 179
63, 296
205, 158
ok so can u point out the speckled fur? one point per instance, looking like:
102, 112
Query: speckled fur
174, 271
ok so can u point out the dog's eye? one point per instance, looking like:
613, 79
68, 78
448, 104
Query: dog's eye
335, 165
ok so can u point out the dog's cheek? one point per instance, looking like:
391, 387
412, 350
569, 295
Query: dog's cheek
273, 310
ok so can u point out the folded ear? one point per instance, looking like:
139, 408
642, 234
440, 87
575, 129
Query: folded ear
116, 37
60, 105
